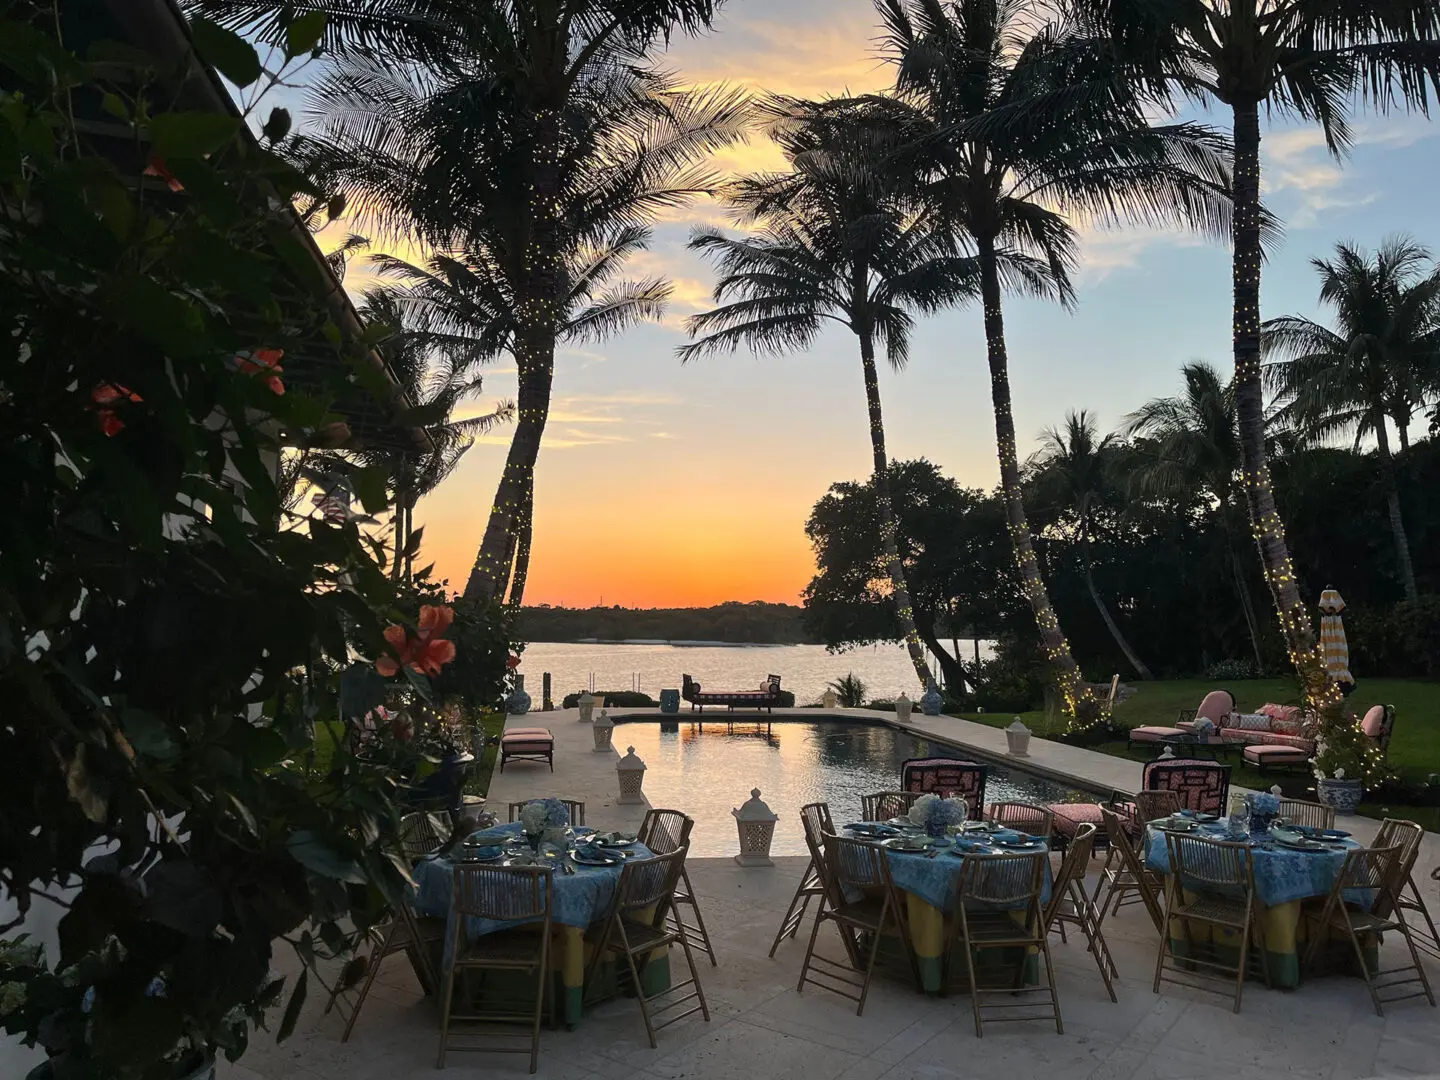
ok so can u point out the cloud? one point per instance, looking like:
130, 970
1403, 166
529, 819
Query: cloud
598, 420
1299, 166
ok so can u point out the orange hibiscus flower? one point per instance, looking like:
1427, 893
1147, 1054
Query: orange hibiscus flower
105, 397
155, 166
424, 651
266, 364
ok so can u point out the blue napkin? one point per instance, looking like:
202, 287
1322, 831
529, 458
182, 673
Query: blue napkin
595, 851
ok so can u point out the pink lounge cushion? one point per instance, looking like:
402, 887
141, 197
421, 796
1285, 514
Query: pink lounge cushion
1071, 815
531, 739
1374, 723
1153, 733
527, 731
1216, 705
1270, 755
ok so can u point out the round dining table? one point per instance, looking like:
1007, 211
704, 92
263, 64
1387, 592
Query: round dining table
1284, 878
928, 881
582, 896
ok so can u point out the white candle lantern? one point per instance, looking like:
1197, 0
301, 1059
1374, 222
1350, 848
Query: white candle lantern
631, 771
828, 699
587, 706
1017, 735
602, 730
903, 705
756, 824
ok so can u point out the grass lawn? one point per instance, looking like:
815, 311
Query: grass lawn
1414, 747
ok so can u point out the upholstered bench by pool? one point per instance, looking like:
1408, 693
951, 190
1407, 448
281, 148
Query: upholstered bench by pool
1274, 757
1153, 733
528, 744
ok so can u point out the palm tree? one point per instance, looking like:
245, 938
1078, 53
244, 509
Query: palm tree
531, 124
1372, 365
1295, 58
464, 298
1073, 469
1013, 124
833, 243
435, 371
1192, 445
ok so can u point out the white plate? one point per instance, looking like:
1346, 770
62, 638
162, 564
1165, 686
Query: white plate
585, 860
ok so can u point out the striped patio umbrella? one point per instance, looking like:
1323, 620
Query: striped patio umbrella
1332, 637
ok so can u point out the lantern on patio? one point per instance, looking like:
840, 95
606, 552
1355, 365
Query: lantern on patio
631, 771
587, 706
602, 731
756, 823
1017, 736
903, 705
828, 699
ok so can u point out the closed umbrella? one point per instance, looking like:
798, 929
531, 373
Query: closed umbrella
1332, 638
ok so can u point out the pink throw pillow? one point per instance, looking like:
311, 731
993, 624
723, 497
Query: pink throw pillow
1374, 722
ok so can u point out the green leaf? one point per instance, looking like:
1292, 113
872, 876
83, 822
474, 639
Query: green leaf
292, 1010
303, 34
191, 134
311, 851
115, 105
148, 734
370, 486
278, 126
226, 51
336, 206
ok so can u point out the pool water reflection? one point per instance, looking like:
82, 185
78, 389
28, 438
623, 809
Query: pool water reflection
706, 773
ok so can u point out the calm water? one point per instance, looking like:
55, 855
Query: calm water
805, 670
708, 773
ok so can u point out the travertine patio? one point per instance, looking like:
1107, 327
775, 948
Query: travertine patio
761, 1027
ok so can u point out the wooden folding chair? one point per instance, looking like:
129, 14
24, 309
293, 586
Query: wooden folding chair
816, 821
573, 807
519, 895
1071, 905
1311, 814
860, 899
418, 937
1407, 894
637, 925
664, 831
1024, 816
1220, 876
992, 889
1153, 805
1371, 872
1126, 875
884, 805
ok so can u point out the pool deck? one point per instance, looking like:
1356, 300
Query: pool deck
761, 1027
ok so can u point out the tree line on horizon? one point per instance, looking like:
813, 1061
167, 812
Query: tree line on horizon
530, 147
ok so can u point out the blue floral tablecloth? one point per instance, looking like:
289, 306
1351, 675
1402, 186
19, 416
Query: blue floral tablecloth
580, 898
1281, 874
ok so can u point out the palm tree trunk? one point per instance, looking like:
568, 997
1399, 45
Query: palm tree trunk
1052, 638
951, 669
537, 324
522, 551
1392, 503
1103, 608
1242, 591
888, 528
1250, 412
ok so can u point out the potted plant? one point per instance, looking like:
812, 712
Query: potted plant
1340, 761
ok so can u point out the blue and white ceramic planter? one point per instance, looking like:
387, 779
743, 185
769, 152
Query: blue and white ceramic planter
518, 703
931, 702
1343, 795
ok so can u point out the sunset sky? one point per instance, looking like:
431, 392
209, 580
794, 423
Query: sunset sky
660, 484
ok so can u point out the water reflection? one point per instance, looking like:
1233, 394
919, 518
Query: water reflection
706, 773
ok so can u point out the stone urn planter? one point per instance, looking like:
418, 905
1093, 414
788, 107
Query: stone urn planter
1344, 795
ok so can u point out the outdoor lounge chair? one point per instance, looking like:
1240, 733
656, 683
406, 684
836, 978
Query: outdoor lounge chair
1216, 705
767, 697
527, 744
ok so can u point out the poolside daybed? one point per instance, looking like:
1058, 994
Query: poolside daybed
767, 697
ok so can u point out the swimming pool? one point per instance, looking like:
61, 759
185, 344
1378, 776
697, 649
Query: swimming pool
706, 773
